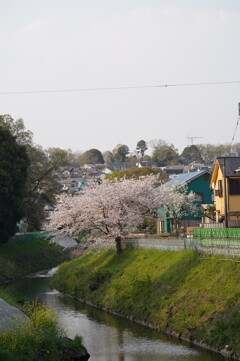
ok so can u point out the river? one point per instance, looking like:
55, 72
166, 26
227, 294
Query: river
107, 337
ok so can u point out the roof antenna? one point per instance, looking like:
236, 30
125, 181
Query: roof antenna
191, 139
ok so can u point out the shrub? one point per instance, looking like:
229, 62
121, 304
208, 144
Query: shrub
38, 338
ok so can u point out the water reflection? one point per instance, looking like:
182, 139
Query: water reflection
109, 338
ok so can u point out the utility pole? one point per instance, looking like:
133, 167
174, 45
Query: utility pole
225, 193
235, 129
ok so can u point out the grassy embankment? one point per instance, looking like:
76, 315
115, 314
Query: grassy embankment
19, 259
182, 293
39, 339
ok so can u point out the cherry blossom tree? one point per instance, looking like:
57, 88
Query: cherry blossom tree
111, 206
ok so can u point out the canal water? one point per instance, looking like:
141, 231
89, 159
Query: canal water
107, 337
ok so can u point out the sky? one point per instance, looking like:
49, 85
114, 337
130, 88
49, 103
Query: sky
90, 44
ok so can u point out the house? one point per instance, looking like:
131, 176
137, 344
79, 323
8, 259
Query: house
195, 166
146, 163
75, 172
197, 182
108, 170
96, 174
225, 183
173, 169
88, 166
65, 173
111, 167
72, 185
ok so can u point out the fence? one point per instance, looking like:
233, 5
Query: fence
163, 244
224, 241
201, 233
212, 225
217, 240
226, 246
29, 236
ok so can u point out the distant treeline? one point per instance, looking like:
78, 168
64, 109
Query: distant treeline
162, 153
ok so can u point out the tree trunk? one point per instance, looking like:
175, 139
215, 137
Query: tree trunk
118, 241
176, 222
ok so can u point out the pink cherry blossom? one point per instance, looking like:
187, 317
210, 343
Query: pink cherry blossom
112, 206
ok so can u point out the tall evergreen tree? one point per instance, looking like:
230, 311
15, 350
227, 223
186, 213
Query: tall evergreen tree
13, 177
141, 147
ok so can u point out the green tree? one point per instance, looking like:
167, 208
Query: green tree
141, 147
192, 153
108, 157
41, 186
58, 157
13, 176
73, 158
17, 129
132, 159
164, 153
93, 156
210, 152
235, 150
120, 153
146, 158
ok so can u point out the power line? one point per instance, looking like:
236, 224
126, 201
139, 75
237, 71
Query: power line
119, 88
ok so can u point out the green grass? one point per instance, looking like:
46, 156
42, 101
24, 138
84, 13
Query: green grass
19, 259
180, 292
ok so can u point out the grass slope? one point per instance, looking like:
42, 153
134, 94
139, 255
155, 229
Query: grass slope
19, 259
178, 292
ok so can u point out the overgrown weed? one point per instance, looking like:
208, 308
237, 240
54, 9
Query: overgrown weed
38, 338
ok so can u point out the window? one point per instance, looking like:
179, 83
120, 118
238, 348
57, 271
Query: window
206, 176
234, 186
220, 192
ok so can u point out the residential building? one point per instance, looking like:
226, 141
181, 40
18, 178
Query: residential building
110, 167
225, 183
195, 166
146, 163
197, 182
72, 185
173, 169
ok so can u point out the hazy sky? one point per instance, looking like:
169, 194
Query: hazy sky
75, 44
